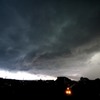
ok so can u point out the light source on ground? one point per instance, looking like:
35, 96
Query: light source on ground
68, 91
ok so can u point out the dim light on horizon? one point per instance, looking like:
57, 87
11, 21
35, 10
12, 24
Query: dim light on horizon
21, 75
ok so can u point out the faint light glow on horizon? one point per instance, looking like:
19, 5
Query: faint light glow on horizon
74, 76
21, 75
91, 70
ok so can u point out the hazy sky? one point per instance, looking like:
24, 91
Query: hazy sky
50, 37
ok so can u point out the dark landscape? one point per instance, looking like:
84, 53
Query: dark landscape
50, 88
41, 40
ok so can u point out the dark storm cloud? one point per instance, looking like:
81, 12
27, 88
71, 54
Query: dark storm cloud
43, 35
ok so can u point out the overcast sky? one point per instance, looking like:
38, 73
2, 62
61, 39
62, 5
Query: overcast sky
50, 37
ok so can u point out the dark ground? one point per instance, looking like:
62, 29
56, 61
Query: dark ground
49, 89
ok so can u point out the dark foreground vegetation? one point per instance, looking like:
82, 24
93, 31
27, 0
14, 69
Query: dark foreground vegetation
49, 88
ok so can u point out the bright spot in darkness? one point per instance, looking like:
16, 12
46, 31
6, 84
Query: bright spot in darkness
68, 91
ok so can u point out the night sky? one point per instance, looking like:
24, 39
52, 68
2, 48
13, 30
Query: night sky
50, 37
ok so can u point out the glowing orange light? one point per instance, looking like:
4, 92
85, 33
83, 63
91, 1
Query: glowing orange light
68, 91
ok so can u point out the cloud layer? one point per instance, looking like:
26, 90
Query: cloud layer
49, 37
